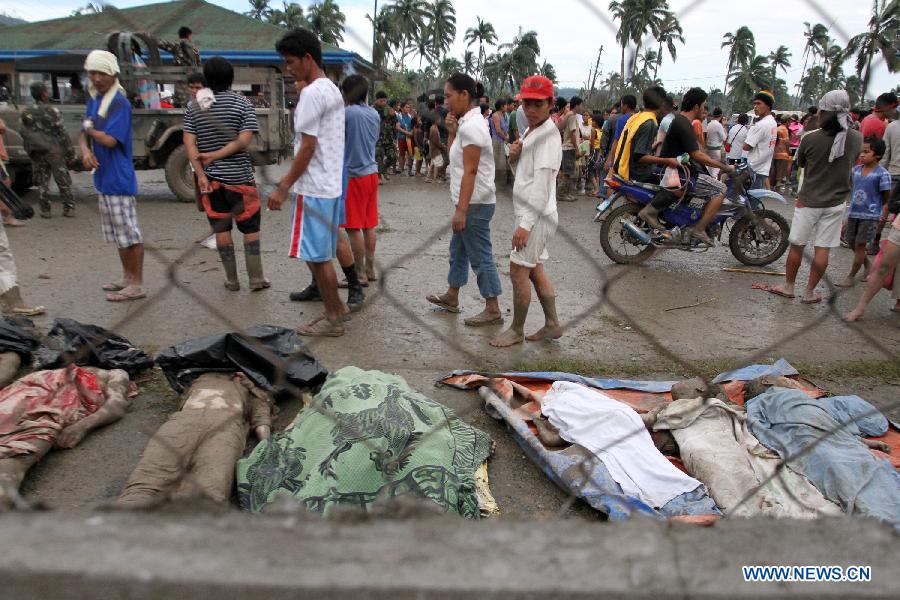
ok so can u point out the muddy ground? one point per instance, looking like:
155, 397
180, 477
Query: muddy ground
63, 263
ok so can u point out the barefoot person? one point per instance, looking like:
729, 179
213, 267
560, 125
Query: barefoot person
106, 150
826, 157
889, 262
535, 159
316, 170
473, 193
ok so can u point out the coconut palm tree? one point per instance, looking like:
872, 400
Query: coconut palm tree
670, 34
522, 54
411, 21
645, 62
442, 28
327, 20
290, 17
621, 11
815, 36
484, 35
387, 37
259, 9
741, 49
749, 78
881, 37
469, 62
646, 17
779, 58
447, 67
547, 70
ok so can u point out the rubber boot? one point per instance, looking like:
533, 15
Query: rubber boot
226, 253
355, 295
12, 303
253, 258
650, 216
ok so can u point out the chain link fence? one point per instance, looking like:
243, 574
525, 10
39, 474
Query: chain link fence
384, 292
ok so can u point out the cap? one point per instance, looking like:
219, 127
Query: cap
536, 87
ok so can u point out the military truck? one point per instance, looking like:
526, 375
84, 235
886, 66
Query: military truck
156, 132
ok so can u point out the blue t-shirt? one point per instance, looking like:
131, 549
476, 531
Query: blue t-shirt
620, 125
405, 123
115, 176
361, 129
866, 201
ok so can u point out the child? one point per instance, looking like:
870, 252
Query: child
436, 149
868, 205
418, 145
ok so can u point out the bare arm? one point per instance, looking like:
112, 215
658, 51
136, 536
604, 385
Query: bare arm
701, 157
101, 138
233, 147
116, 392
87, 155
298, 168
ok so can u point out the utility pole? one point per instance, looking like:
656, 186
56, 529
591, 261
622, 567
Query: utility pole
374, 42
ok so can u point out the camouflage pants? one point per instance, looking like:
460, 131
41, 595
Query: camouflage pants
43, 169
386, 156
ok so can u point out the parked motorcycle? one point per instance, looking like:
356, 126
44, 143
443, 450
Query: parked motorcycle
758, 236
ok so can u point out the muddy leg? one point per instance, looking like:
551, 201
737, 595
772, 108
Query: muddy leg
9, 366
13, 470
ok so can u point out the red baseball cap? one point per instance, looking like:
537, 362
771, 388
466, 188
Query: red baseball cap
536, 87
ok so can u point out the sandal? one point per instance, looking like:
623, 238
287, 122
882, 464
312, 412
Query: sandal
125, 296
321, 328
814, 300
438, 299
484, 319
27, 311
114, 286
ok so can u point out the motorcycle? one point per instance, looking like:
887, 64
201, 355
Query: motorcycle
758, 236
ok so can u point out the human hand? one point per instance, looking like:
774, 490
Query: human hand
70, 436
450, 122
90, 161
672, 162
515, 149
459, 221
276, 198
729, 169
203, 183
205, 158
520, 238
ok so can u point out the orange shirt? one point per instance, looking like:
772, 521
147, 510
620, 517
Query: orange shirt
698, 129
781, 144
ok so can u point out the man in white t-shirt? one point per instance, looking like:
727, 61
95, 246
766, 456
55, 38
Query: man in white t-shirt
760, 142
536, 159
315, 174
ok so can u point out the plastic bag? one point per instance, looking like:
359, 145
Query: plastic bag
89, 345
272, 357
17, 335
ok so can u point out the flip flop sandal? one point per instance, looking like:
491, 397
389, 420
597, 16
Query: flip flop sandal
781, 293
118, 297
483, 321
815, 300
113, 287
28, 311
438, 301
321, 328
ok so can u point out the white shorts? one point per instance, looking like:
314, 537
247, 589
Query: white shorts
535, 250
822, 226
437, 161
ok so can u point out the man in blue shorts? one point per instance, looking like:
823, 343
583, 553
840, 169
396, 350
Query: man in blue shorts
316, 175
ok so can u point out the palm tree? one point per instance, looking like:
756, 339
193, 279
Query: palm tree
410, 19
622, 12
645, 62
387, 37
669, 34
741, 49
779, 59
815, 36
442, 30
748, 79
547, 70
521, 56
469, 62
327, 20
646, 17
881, 37
291, 17
259, 9
447, 67
483, 34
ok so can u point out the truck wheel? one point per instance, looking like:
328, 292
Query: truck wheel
179, 175
22, 180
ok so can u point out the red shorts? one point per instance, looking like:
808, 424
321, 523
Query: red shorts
403, 147
361, 204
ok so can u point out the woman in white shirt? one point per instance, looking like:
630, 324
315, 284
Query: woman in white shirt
734, 141
473, 194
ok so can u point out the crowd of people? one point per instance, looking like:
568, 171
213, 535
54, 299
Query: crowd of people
846, 164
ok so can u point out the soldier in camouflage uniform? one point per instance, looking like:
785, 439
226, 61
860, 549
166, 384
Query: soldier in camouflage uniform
386, 148
184, 54
50, 149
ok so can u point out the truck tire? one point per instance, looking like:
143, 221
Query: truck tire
22, 180
179, 175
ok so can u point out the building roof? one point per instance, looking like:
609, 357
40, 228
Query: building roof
217, 30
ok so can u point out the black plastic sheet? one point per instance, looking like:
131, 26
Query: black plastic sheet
89, 345
273, 357
17, 335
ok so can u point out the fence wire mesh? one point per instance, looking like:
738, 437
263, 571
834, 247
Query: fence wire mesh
384, 292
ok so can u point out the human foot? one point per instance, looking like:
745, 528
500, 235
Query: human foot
132, 292
813, 299
444, 301
547, 332
322, 328
507, 338
783, 291
115, 286
853, 316
484, 318
849, 282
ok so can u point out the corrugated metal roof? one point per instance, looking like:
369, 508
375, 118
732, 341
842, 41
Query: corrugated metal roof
214, 27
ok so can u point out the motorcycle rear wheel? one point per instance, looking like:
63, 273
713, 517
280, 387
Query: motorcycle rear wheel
617, 244
763, 248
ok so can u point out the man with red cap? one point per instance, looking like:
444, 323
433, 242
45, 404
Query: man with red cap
535, 159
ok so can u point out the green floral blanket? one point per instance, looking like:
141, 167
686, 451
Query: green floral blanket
367, 436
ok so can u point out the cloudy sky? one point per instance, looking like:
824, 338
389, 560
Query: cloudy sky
571, 31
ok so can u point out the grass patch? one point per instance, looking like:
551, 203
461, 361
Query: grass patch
876, 369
